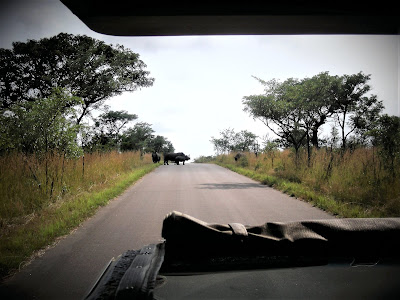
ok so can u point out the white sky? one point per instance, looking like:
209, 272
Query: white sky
200, 80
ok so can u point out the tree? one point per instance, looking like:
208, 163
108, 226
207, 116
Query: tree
298, 107
218, 145
295, 110
113, 121
85, 67
386, 133
244, 141
270, 147
105, 134
44, 128
168, 147
137, 138
352, 109
234, 141
365, 117
41, 127
226, 142
317, 97
280, 110
160, 144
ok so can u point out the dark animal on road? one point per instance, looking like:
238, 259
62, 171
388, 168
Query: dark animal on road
238, 156
156, 157
181, 158
172, 157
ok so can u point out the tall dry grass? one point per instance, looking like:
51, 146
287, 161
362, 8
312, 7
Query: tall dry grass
354, 179
44, 198
28, 183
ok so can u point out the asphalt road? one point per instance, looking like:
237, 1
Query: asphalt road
205, 191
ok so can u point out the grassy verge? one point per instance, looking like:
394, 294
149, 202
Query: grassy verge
20, 240
349, 191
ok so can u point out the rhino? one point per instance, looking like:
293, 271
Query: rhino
173, 156
238, 156
156, 157
181, 158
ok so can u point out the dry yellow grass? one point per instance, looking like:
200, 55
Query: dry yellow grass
354, 179
43, 199
28, 184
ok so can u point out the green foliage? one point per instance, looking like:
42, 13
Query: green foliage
160, 144
387, 135
105, 134
226, 142
81, 66
86, 67
42, 127
243, 161
244, 141
137, 138
141, 138
270, 146
46, 130
114, 121
46, 88
353, 111
296, 109
316, 96
235, 141
204, 159
279, 106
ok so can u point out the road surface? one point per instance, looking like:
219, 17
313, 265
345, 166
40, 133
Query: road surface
204, 191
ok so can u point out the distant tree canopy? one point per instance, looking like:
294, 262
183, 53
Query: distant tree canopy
160, 144
296, 109
140, 138
114, 121
105, 134
230, 140
83, 66
108, 133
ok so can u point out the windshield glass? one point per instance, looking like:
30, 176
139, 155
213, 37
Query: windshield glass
200, 81
311, 121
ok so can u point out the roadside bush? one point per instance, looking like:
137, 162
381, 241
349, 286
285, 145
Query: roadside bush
243, 161
204, 159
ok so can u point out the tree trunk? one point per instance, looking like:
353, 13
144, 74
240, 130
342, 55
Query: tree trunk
308, 151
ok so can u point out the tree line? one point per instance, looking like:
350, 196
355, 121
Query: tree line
296, 110
51, 88
229, 140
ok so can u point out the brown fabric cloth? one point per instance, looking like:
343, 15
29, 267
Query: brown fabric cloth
189, 240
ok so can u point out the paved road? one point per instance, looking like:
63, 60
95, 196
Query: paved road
208, 192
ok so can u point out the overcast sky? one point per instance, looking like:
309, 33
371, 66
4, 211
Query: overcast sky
200, 80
